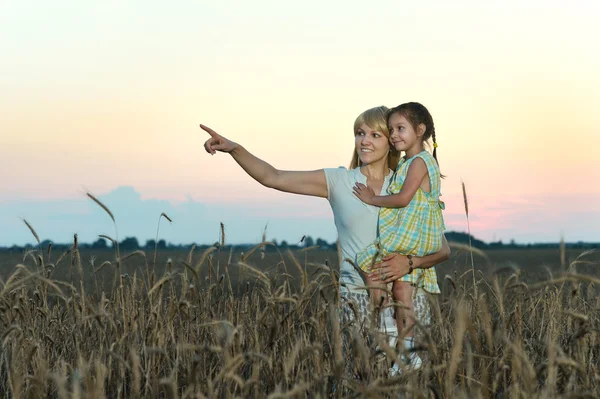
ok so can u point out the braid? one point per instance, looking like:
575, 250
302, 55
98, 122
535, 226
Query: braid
435, 148
434, 141
417, 113
431, 126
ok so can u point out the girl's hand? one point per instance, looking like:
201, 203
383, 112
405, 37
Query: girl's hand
364, 193
217, 142
391, 268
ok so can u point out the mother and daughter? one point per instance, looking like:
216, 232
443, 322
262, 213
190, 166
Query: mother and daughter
386, 210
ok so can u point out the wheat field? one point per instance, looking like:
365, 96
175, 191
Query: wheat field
265, 324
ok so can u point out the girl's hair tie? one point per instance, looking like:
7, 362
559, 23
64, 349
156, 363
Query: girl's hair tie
435, 145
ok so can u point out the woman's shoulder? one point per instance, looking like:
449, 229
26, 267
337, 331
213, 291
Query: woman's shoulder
338, 172
339, 178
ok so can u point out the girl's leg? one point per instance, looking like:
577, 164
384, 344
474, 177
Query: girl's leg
402, 292
405, 317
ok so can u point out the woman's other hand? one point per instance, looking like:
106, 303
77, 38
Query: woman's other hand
216, 142
364, 193
391, 268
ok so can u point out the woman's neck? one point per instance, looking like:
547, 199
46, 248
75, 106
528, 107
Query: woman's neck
376, 170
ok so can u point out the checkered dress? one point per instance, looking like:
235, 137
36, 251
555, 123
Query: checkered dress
416, 229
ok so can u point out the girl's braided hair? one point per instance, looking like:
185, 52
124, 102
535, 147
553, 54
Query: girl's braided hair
416, 114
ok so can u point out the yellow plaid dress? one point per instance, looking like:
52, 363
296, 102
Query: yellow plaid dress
416, 229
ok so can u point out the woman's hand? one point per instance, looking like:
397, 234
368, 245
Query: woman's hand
391, 268
216, 142
364, 193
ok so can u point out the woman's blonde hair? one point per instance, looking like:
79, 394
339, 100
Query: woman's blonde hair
376, 119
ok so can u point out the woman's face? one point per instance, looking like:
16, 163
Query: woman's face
371, 146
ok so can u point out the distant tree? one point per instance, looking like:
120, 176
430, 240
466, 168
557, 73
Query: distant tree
308, 241
322, 243
284, 244
100, 243
463, 238
130, 244
150, 244
162, 244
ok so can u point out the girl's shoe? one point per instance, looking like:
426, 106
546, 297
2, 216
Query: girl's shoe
395, 371
412, 362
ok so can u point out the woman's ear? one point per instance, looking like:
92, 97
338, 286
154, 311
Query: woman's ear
421, 129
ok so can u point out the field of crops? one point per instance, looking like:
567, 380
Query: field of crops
219, 324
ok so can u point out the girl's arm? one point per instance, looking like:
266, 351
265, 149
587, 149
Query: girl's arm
311, 183
414, 177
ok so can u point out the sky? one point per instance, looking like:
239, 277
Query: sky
106, 97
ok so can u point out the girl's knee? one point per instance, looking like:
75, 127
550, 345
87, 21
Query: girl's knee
402, 291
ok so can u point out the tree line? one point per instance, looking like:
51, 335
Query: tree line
132, 244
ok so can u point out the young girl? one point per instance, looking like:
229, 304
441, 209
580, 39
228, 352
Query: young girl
410, 219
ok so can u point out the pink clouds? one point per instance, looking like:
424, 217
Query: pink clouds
528, 218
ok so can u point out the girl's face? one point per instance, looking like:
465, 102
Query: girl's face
370, 145
402, 134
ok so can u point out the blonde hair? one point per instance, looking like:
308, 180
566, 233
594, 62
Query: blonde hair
376, 119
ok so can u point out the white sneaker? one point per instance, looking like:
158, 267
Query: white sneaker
395, 370
413, 361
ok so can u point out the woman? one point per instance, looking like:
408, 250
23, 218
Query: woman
372, 164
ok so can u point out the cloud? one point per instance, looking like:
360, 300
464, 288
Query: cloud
530, 218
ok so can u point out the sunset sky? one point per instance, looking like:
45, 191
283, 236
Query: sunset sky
107, 96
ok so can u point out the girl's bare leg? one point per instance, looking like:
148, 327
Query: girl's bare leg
405, 318
405, 315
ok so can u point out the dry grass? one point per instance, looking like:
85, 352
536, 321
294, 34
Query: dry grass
272, 330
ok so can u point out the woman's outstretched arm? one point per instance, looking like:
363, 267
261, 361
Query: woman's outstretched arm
298, 182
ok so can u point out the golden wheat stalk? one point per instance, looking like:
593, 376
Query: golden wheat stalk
466, 202
162, 215
101, 205
32, 230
